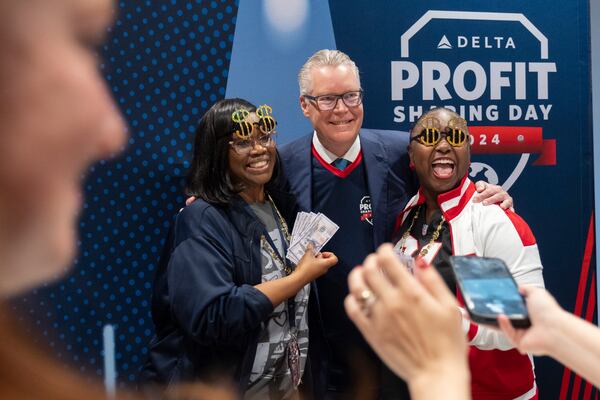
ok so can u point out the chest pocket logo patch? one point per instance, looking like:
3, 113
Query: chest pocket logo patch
366, 211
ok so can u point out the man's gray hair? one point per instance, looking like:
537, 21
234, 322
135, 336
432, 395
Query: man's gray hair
320, 59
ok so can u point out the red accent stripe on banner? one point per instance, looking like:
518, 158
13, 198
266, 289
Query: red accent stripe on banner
589, 316
548, 153
513, 140
565, 384
576, 386
588, 391
506, 139
591, 307
585, 267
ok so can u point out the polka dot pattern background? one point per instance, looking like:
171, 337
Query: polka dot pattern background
166, 62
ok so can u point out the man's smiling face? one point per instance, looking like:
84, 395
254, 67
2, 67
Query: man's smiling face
338, 127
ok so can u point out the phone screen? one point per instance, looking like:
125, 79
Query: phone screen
494, 296
488, 289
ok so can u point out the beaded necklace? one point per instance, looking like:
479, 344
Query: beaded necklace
286, 236
434, 237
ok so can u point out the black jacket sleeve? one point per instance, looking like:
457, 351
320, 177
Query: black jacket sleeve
205, 301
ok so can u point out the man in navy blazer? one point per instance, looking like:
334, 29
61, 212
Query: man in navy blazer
361, 179
390, 180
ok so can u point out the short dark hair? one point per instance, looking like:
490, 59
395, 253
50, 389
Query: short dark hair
208, 177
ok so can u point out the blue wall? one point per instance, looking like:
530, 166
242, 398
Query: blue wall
267, 55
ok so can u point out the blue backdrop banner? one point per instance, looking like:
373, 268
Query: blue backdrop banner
519, 73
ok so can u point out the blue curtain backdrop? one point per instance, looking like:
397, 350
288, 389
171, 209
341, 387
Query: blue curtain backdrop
518, 71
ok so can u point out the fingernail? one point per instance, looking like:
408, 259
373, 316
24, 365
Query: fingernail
485, 202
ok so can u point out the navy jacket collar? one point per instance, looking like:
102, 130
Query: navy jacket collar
376, 166
299, 175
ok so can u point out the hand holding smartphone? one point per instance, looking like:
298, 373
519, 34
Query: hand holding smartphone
489, 290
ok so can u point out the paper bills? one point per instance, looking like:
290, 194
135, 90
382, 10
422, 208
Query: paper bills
310, 228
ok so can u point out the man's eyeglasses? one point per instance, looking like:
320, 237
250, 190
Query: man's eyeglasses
432, 133
328, 102
245, 146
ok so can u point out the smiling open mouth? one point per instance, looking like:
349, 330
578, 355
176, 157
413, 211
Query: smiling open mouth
346, 122
443, 168
258, 164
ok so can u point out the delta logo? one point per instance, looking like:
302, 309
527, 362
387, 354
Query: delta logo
477, 42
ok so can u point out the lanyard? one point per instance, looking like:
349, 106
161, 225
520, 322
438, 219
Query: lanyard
287, 266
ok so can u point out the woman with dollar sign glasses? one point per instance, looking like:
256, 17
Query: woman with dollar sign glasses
442, 220
227, 303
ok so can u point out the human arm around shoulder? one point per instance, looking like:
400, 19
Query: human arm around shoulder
489, 194
556, 333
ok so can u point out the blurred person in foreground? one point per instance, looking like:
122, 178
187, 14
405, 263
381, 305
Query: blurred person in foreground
556, 333
227, 303
56, 119
442, 220
410, 322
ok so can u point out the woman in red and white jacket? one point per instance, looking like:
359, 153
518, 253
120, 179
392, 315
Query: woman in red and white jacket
442, 220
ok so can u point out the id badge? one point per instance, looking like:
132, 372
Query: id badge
293, 359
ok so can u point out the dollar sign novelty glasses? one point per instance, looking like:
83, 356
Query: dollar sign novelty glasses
328, 102
247, 134
456, 133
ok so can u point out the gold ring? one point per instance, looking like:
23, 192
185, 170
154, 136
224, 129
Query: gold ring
366, 294
366, 300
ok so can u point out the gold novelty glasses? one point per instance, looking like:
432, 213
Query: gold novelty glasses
249, 132
245, 125
432, 133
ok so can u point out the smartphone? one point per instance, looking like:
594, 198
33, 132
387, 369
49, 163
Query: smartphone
489, 290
